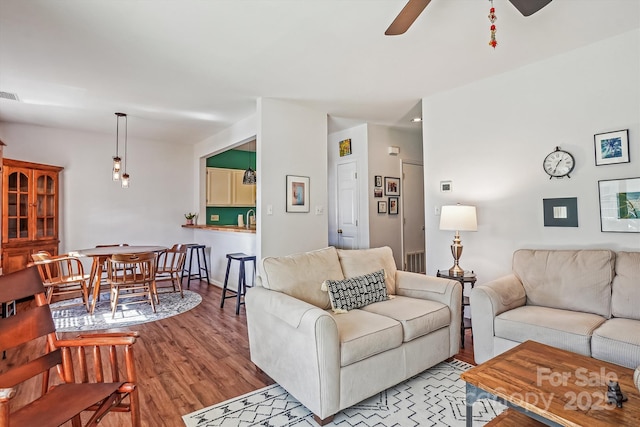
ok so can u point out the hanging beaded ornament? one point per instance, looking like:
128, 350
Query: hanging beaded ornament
492, 18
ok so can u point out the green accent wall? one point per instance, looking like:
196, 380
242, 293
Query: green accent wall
232, 159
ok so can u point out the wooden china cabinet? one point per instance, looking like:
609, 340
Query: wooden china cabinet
29, 212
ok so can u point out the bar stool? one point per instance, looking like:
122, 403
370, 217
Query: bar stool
201, 258
242, 280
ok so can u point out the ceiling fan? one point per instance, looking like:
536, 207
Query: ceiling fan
414, 8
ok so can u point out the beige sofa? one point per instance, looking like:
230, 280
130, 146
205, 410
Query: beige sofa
331, 361
585, 301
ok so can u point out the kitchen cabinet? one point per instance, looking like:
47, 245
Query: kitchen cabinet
29, 212
225, 188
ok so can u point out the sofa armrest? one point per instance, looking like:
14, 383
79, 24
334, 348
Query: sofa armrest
445, 291
297, 345
487, 302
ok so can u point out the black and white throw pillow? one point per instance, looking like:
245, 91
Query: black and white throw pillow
356, 292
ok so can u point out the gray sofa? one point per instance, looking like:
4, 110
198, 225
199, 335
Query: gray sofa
331, 361
585, 301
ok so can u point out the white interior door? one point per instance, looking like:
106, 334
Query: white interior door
348, 205
413, 239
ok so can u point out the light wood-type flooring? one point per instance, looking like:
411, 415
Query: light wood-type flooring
191, 361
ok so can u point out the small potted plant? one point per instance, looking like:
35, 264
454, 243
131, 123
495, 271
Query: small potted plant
189, 216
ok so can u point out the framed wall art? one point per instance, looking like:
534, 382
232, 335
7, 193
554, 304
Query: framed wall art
612, 147
391, 186
377, 182
345, 147
382, 207
377, 192
620, 205
297, 193
393, 205
562, 212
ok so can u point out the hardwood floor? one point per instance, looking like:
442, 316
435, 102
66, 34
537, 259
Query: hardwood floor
191, 361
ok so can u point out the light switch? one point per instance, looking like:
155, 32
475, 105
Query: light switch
319, 210
269, 209
436, 211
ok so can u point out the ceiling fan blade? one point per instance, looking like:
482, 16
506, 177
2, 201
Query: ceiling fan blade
405, 18
529, 7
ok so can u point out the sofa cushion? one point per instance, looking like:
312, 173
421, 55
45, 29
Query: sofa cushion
356, 262
356, 292
578, 280
569, 330
625, 297
363, 334
418, 317
617, 341
301, 275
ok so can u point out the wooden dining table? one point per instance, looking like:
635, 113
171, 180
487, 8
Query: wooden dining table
100, 254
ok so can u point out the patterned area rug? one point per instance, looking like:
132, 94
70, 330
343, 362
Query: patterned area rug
73, 318
435, 397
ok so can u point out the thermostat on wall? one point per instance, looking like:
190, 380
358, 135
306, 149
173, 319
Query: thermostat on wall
446, 186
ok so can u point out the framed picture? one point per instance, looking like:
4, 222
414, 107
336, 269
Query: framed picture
560, 212
382, 207
445, 186
393, 205
297, 193
345, 147
377, 181
391, 186
377, 192
620, 205
612, 147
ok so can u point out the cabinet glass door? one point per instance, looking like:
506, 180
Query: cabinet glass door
18, 205
45, 206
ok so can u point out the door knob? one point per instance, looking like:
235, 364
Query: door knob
339, 230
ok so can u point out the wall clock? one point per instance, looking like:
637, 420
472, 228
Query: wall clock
558, 163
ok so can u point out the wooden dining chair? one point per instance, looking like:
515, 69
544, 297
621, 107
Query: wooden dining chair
62, 276
102, 261
169, 268
95, 372
132, 276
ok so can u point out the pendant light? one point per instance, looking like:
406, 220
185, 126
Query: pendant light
125, 175
117, 161
249, 177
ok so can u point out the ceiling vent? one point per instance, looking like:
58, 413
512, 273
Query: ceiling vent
9, 95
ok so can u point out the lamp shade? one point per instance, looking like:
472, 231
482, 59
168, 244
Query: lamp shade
458, 218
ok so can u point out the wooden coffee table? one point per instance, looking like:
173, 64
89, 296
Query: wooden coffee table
553, 387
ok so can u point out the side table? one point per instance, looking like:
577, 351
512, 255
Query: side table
469, 277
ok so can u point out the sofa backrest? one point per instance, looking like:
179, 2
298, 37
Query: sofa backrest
356, 262
625, 297
578, 280
301, 275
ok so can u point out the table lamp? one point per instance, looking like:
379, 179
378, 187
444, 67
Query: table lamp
458, 218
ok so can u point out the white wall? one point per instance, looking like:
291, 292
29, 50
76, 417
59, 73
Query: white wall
359, 154
490, 138
94, 209
291, 140
385, 229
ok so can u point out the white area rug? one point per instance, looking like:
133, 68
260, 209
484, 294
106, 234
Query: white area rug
75, 318
435, 397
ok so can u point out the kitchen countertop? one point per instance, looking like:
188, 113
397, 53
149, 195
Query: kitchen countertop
228, 228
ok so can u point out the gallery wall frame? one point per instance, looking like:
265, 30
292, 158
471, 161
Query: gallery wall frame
611, 147
620, 205
382, 207
377, 181
560, 212
297, 193
391, 186
393, 205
